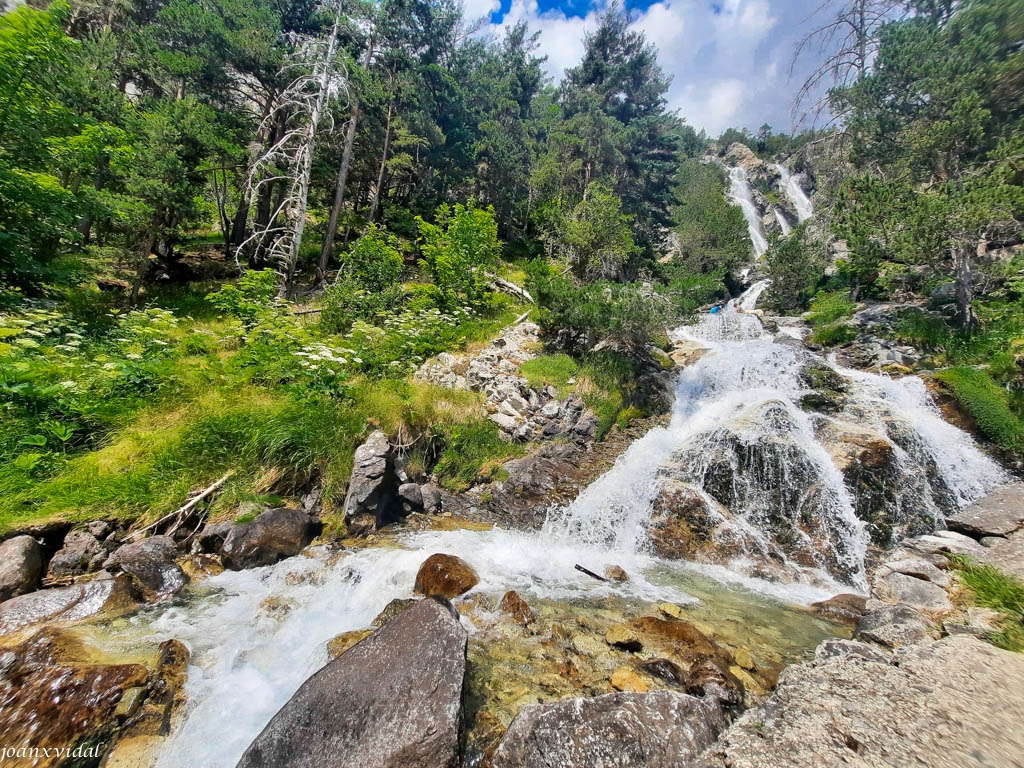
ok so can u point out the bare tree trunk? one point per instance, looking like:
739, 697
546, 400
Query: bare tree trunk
963, 277
339, 188
383, 164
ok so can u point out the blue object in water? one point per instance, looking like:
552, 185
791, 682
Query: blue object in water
715, 309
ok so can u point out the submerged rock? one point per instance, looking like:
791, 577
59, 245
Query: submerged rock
445, 576
516, 608
847, 609
151, 562
21, 565
273, 536
392, 701
658, 729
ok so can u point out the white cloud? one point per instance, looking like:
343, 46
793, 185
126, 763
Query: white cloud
561, 36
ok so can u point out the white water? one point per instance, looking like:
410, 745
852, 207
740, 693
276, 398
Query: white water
783, 222
795, 193
741, 195
256, 635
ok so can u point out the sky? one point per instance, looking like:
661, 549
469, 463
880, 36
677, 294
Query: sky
729, 59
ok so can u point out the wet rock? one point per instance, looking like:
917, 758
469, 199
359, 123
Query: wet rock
211, 537
828, 388
893, 626
338, 644
431, 496
104, 594
998, 514
917, 593
682, 525
373, 487
80, 554
680, 638
513, 606
686, 353
201, 566
392, 609
392, 701
711, 680
151, 563
621, 636
624, 679
672, 610
743, 658
273, 536
664, 669
21, 565
659, 729
957, 702
615, 573
446, 576
847, 609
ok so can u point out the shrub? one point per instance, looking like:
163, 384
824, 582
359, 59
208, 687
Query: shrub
827, 308
250, 298
468, 448
458, 250
833, 334
796, 266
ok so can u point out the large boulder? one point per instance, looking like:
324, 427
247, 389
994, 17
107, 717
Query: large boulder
998, 514
81, 553
21, 564
151, 562
956, 702
103, 594
273, 536
445, 576
658, 729
373, 487
393, 700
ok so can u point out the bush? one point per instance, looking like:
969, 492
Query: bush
374, 262
796, 267
833, 335
986, 403
348, 301
468, 448
250, 299
827, 308
458, 251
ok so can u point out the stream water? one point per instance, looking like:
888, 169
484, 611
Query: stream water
256, 635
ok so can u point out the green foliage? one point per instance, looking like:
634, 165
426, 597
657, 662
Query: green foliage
469, 448
832, 335
250, 299
368, 285
712, 233
458, 250
830, 307
796, 266
549, 370
594, 238
374, 262
994, 589
986, 404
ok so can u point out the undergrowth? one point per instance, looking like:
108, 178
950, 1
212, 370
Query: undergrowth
991, 588
986, 403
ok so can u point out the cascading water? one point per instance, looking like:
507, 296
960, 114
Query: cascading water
781, 521
740, 193
795, 193
783, 222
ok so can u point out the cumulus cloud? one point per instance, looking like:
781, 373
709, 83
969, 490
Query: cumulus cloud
728, 58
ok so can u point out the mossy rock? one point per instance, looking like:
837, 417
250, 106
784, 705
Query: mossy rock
828, 388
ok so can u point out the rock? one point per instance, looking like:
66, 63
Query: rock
392, 701
621, 636
659, 729
201, 566
211, 537
743, 658
922, 595
893, 626
957, 702
99, 529
1007, 554
411, 497
104, 594
431, 496
392, 609
373, 487
946, 541
977, 622
741, 155
686, 353
919, 569
998, 514
838, 647
679, 637
80, 554
847, 609
445, 575
21, 565
513, 606
672, 610
151, 562
710, 680
624, 679
273, 536
665, 669
828, 388
338, 644
615, 573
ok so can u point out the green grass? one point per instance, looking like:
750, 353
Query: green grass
472, 451
828, 308
553, 370
986, 403
833, 334
991, 588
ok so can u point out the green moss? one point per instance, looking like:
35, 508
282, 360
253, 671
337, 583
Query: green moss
991, 588
986, 403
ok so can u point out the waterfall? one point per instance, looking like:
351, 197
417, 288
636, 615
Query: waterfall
795, 193
783, 222
741, 195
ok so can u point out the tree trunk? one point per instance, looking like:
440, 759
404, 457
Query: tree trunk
963, 276
375, 201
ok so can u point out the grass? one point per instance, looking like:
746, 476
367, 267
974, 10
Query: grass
986, 403
470, 449
553, 370
826, 316
991, 588
832, 335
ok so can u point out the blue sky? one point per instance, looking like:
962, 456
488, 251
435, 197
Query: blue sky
729, 59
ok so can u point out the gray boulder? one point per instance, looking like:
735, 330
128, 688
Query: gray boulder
21, 565
273, 536
893, 626
103, 594
393, 700
998, 514
373, 487
431, 496
660, 729
211, 537
909, 590
81, 553
151, 562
